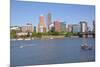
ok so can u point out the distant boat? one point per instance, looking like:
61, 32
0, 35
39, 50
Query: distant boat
86, 47
32, 38
51, 38
21, 47
20, 39
28, 39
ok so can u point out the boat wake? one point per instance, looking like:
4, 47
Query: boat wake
23, 46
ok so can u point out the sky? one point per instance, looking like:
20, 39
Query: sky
24, 12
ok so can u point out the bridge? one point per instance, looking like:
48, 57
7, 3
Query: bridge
87, 34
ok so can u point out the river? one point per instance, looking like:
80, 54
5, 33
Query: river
52, 51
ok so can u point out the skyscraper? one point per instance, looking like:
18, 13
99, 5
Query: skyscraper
41, 25
63, 27
75, 28
49, 20
83, 27
57, 26
51, 27
69, 28
34, 28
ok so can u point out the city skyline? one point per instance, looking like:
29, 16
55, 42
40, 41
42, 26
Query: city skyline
24, 12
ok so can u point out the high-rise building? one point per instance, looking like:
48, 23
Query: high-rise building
41, 25
34, 28
75, 28
83, 27
49, 20
69, 28
63, 27
51, 27
27, 28
57, 26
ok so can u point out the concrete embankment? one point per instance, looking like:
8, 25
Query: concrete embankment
49, 37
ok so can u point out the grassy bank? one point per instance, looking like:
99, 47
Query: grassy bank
45, 35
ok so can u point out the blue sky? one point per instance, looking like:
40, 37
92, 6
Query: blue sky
23, 12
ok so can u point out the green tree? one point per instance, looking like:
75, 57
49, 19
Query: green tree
34, 34
39, 35
13, 34
68, 34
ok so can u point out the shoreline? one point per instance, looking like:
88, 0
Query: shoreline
44, 38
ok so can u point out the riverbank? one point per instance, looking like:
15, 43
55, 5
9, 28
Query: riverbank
44, 37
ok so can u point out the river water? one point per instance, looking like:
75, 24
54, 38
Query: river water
52, 51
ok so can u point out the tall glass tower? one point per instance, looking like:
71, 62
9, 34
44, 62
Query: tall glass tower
49, 20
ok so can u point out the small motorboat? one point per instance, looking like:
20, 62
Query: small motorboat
86, 47
21, 47
51, 38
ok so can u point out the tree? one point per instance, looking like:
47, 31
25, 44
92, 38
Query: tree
33, 34
39, 35
13, 34
68, 34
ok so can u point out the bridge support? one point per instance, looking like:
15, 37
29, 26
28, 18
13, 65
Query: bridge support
93, 35
85, 36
